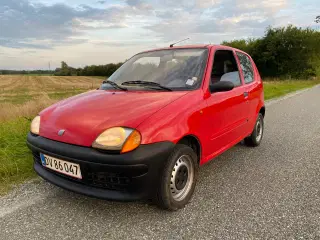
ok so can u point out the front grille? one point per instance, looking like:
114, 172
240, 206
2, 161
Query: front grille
92, 175
108, 180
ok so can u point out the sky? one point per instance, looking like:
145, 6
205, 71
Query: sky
34, 33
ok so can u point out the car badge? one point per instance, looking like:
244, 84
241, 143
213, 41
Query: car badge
61, 132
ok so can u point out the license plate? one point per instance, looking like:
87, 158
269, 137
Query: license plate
61, 166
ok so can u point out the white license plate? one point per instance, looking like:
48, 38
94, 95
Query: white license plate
61, 166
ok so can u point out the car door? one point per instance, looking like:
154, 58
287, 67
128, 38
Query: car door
250, 77
227, 110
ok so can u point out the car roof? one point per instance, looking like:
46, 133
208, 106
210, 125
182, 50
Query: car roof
195, 46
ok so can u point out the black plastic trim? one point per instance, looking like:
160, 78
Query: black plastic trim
84, 189
143, 166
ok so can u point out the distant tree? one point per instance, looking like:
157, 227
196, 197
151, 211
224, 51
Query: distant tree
93, 70
26, 72
65, 70
317, 19
64, 65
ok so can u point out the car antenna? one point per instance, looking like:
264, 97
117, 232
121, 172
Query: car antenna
171, 45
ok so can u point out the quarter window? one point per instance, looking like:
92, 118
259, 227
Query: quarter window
246, 67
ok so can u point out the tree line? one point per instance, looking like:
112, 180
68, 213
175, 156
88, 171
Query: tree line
93, 70
285, 52
26, 72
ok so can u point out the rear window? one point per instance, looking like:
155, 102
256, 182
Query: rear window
246, 67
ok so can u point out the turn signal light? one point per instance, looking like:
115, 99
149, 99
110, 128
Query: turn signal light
132, 142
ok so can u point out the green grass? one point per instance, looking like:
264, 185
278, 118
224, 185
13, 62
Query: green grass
16, 159
273, 89
24, 97
17, 99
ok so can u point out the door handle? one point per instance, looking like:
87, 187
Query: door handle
245, 94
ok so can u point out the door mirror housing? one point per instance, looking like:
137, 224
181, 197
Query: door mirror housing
221, 86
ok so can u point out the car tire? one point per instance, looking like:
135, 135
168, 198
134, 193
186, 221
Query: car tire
255, 138
178, 179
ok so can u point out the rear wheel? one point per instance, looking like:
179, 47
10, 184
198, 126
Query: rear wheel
178, 179
255, 138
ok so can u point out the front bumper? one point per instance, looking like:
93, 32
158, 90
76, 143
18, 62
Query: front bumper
123, 177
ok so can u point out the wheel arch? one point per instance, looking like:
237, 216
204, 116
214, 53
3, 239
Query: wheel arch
193, 142
263, 111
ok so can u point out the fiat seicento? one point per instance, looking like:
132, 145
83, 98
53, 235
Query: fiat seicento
144, 133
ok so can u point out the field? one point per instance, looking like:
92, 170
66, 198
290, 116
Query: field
25, 95
22, 97
19, 89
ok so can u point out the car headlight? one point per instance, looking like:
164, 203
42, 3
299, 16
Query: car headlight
35, 125
118, 139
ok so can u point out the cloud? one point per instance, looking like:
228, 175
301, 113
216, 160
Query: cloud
216, 17
206, 3
100, 29
139, 4
22, 21
29, 52
125, 43
21, 44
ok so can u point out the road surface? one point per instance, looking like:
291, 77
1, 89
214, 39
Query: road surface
272, 191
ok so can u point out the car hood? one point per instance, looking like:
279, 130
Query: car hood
85, 116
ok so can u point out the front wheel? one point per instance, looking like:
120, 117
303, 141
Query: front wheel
178, 179
255, 138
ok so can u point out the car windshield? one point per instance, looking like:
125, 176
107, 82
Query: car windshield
173, 69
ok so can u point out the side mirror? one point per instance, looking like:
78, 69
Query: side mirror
221, 86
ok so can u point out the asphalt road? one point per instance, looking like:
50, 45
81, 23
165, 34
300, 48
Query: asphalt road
272, 191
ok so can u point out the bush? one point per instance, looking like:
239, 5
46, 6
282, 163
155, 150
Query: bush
287, 52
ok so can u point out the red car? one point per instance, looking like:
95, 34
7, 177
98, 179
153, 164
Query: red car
144, 133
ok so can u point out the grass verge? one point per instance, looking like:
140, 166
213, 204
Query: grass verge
16, 159
274, 89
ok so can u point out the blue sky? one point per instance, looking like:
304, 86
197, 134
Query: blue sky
36, 32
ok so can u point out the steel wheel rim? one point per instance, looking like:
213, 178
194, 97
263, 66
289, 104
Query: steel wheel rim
259, 130
182, 177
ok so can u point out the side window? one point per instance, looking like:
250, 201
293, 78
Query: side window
246, 67
225, 68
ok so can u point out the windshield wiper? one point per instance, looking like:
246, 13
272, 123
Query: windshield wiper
113, 84
146, 83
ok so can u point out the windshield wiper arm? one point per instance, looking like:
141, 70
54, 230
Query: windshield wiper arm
113, 84
146, 83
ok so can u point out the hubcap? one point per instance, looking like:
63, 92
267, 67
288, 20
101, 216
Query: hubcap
181, 178
259, 130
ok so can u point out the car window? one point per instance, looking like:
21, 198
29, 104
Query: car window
144, 66
246, 67
225, 68
177, 69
